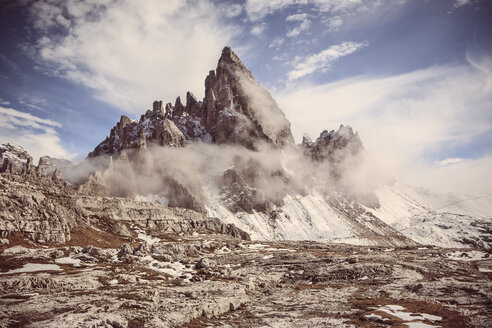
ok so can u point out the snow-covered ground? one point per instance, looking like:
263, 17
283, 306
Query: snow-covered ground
307, 217
445, 220
34, 267
428, 218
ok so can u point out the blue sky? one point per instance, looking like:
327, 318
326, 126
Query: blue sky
414, 77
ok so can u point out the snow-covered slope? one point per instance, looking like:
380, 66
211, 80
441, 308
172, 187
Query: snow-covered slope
445, 220
313, 217
428, 218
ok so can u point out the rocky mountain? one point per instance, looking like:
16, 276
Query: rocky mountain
206, 214
232, 156
236, 109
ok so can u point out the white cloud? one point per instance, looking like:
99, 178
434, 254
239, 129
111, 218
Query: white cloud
132, 52
231, 10
448, 161
258, 29
461, 3
258, 9
323, 59
296, 17
334, 23
304, 24
470, 176
9, 112
276, 43
37, 135
404, 120
340, 6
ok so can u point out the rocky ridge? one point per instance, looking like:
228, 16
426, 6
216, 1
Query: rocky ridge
44, 209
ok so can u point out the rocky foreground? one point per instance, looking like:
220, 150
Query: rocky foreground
201, 280
72, 260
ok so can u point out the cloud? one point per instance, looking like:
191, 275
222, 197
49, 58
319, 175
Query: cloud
334, 23
461, 3
258, 29
323, 59
37, 135
296, 17
449, 161
407, 120
276, 43
231, 10
27, 118
304, 24
343, 6
469, 176
259, 9
129, 52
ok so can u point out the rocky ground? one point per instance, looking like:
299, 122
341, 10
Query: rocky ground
71, 260
216, 280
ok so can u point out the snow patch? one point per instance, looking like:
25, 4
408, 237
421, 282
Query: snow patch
34, 267
413, 320
68, 260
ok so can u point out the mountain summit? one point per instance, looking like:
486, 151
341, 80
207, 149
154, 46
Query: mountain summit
236, 109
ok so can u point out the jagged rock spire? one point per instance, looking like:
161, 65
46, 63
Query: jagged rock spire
236, 109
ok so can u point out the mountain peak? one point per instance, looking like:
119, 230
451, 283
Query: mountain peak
236, 109
228, 56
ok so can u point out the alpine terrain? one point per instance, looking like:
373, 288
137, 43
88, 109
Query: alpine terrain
206, 213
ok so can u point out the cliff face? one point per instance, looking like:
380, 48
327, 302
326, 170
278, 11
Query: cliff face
237, 109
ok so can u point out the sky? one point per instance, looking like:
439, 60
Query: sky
413, 77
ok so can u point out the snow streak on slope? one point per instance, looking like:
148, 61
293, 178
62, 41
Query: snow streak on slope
312, 217
445, 220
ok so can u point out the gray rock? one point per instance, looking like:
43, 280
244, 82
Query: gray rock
205, 263
125, 250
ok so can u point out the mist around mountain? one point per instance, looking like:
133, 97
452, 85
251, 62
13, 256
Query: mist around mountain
232, 156
207, 214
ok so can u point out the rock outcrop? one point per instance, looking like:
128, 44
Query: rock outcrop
333, 146
37, 208
156, 217
153, 127
49, 210
15, 160
47, 165
237, 109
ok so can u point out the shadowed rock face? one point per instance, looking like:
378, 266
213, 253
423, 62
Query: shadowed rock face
47, 165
